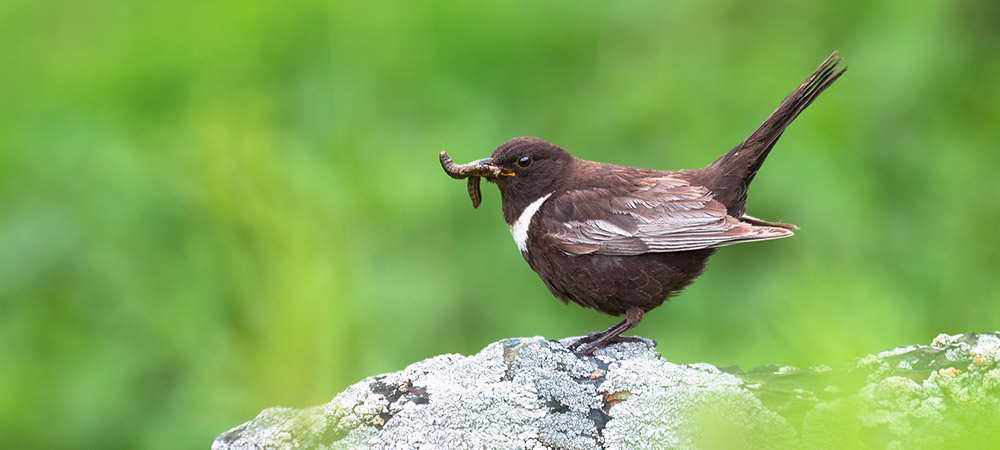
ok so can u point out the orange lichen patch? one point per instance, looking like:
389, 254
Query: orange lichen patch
614, 398
508, 357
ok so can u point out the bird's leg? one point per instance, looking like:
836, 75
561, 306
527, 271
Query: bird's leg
593, 336
593, 341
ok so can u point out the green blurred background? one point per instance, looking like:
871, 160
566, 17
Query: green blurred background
210, 208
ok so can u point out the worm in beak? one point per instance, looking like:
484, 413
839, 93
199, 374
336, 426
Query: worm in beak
473, 171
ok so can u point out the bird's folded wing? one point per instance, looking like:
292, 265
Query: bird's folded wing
657, 215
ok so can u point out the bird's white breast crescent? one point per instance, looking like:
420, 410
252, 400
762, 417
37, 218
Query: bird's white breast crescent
520, 227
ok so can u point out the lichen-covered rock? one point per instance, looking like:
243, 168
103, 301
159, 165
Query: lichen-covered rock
534, 394
940, 396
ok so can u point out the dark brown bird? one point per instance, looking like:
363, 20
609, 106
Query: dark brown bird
622, 240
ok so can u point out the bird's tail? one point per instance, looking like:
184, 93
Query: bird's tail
733, 172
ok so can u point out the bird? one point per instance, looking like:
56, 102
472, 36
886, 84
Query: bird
622, 240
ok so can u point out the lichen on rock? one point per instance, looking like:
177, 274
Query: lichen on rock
531, 393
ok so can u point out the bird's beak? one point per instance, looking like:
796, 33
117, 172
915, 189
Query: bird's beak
479, 168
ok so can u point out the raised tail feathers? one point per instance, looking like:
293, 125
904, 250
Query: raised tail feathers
734, 171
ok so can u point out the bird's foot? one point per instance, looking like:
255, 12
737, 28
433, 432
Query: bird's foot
590, 337
593, 341
588, 344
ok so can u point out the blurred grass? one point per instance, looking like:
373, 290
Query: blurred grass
207, 209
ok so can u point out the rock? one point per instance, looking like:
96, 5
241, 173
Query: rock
530, 393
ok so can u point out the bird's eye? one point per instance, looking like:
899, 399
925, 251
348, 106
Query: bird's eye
525, 161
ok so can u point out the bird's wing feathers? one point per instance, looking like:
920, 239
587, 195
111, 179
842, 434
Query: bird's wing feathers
662, 214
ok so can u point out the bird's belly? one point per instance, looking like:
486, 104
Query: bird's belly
611, 284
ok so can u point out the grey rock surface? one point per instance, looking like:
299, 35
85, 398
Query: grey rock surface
530, 393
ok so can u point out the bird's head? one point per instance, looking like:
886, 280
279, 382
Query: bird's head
524, 169
535, 164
